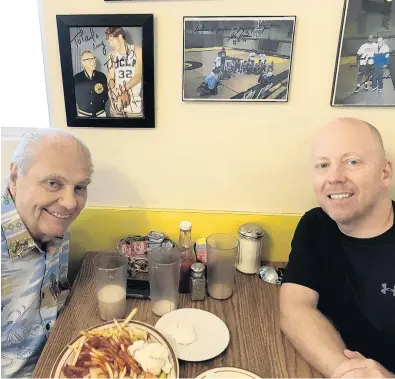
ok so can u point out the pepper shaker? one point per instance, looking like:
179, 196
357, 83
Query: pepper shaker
198, 281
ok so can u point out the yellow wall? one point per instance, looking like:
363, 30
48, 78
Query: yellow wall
101, 228
210, 156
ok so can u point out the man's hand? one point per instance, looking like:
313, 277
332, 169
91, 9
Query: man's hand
358, 366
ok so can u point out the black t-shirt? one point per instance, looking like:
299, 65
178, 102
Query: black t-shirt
91, 93
355, 280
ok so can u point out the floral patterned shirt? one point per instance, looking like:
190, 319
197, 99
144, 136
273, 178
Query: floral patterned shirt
34, 287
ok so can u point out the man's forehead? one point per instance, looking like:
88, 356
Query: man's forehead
61, 156
343, 137
73, 172
87, 56
334, 152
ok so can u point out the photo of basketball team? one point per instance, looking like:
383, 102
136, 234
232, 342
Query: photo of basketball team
365, 72
107, 68
237, 58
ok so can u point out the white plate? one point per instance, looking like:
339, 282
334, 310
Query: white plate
227, 372
212, 335
67, 355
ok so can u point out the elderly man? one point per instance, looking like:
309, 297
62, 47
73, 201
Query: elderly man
48, 179
91, 90
338, 295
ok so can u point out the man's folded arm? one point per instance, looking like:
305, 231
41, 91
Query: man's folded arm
310, 332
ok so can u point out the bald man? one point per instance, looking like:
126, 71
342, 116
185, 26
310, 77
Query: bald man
337, 300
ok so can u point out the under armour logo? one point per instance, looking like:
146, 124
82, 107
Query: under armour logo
385, 289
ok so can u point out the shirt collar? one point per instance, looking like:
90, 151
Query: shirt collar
87, 75
19, 240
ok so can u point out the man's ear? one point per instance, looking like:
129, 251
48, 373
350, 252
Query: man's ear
387, 173
13, 178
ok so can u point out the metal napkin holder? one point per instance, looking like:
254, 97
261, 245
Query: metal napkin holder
135, 248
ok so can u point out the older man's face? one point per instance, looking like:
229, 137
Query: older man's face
88, 61
350, 171
54, 191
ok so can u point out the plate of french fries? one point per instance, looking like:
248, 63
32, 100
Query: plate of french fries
104, 351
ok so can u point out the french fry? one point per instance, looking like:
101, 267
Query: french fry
139, 335
94, 356
117, 325
97, 352
78, 351
116, 370
109, 371
123, 373
96, 360
131, 315
103, 367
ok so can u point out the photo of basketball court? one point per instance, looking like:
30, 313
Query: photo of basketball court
237, 59
365, 72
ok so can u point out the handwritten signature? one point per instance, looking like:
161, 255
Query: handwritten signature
81, 37
240, 33
121, 97
111, 62
102, 45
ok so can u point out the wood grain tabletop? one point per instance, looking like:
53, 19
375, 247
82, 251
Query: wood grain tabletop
251, 314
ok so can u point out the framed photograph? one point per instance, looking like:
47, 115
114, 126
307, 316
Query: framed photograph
108, 70
365, 66
237, 58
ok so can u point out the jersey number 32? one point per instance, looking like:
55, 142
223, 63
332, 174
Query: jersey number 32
125, 74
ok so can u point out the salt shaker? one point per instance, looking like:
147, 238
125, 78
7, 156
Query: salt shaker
198, 281
249, 260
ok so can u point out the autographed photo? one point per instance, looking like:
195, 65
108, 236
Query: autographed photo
365, 68
237, 58
107, 71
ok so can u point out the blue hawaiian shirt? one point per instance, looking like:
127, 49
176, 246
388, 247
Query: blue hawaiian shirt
34, 287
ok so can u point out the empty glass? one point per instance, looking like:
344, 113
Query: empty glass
164, 278
110, 279
222, 255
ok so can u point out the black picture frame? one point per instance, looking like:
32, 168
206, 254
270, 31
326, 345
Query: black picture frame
359, 20
147, 103
239, 36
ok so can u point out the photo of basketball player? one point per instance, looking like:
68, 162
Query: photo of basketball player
124, 74
227, 58
108, 71
91, 91
365, 68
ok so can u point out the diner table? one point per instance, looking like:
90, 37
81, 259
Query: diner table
251, 314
